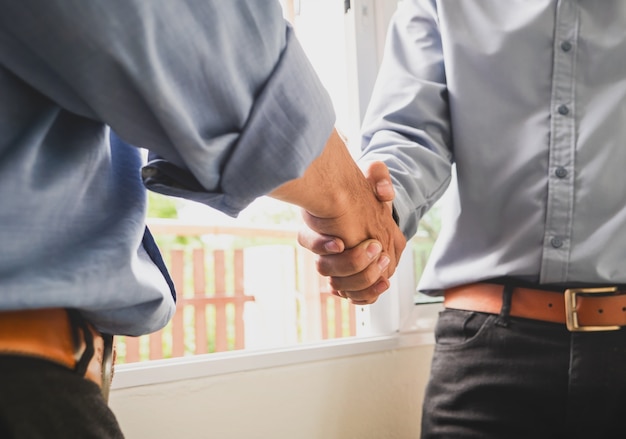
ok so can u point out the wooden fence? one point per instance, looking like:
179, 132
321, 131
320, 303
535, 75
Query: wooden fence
218, 292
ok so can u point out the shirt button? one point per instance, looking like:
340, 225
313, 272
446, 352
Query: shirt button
561, 172
563, 109
566, 46
556, 242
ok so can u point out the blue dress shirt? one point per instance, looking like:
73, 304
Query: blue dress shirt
220, 92
527, 101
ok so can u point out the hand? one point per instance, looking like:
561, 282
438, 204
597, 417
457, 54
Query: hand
359, 273
337, 200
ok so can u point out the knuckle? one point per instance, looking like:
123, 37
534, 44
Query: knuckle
370, 276
364, 297
335, 283
321, 267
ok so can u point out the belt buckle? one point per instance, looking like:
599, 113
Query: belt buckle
571, 315
107, 365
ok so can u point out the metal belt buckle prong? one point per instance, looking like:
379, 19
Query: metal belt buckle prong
571, 315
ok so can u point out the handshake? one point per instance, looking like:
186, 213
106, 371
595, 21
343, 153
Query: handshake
348, 214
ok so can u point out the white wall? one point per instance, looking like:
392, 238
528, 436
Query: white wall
369, 396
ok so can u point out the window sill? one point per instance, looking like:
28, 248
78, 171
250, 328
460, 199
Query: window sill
175, 369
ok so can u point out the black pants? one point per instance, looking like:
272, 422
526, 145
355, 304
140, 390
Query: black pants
496, 377
40, 399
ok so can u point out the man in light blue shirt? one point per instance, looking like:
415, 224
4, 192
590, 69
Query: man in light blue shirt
518, 108
224, 98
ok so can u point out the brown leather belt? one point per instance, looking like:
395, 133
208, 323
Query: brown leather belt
48, 334
581, 309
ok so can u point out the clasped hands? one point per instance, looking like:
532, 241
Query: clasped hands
359, 250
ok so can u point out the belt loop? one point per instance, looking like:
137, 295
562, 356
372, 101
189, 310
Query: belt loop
505, 311
78, 324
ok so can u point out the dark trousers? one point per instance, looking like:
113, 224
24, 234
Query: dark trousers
496, 377
40, 399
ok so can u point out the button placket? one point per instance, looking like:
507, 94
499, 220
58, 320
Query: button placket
562, 144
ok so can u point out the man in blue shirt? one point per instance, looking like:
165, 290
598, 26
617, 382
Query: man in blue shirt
518, 109
222, 95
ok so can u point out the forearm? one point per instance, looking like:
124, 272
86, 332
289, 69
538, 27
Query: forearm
323, 189
330, 189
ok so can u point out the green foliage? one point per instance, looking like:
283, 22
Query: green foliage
161, 206
273, 212
422, 244
430, 224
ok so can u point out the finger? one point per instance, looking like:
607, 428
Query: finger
398, 246
363, 279
351, 261
368, 295
378, 176
318, 243
338, 294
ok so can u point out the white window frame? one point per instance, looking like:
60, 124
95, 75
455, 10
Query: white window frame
393, 322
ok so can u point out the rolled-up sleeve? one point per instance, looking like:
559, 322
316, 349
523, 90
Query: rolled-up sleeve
288, 125
220, 92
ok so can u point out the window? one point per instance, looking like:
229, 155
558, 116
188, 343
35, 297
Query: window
245, 285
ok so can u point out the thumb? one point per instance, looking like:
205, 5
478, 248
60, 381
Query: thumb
377, 174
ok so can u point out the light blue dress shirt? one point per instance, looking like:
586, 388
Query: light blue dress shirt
219, 91
527, 101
